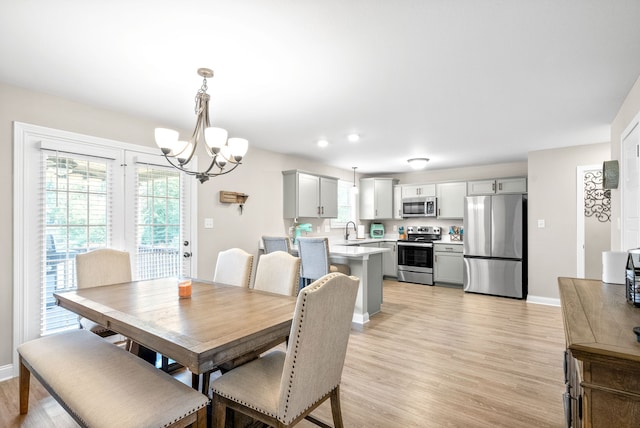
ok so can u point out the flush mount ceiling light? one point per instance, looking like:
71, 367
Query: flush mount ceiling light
323, 143
353, 138
418, 163
221, 149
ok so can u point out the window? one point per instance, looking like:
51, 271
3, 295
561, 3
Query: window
346, 204
77, 218
159, 222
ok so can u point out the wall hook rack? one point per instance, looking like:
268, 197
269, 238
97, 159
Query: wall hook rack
233, 198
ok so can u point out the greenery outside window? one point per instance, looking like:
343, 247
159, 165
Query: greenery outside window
346, 204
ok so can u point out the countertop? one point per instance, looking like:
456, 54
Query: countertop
448, 241
353, 251
349, 251
356, 241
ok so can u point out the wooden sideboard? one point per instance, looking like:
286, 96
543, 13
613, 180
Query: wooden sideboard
602, 369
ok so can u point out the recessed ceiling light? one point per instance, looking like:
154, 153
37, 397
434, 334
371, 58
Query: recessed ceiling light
418, 163
323, 143
353, 137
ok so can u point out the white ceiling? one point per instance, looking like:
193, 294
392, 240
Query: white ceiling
463, 82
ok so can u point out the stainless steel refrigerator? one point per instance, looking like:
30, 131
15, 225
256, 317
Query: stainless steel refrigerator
495, 245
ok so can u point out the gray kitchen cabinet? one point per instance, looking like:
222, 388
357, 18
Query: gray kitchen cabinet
376, 198
448, 263
390, 259
451, 199
309, 195
511, 185
481, 187
415, 190
498, 185
397, 202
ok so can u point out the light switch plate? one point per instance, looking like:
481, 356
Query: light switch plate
208, 223
541, 224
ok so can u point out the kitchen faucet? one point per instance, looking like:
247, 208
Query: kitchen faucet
346, 230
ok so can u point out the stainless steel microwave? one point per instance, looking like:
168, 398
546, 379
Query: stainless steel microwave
419, 207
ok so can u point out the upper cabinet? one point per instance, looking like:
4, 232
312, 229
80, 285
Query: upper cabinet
376, 198
397, 202
499, 185
309, 195
413, 190
451, 199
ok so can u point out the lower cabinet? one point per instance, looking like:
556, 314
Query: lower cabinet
390, 259
448, 263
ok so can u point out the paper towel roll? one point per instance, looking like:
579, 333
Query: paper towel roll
613, 266
360, 234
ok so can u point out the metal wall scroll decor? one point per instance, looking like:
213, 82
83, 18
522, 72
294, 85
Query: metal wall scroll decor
597, 200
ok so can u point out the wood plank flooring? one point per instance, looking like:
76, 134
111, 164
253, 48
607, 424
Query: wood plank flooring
434, 357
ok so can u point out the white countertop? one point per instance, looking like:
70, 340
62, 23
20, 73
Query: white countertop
358, 241
448, 241
349, 251
353, 251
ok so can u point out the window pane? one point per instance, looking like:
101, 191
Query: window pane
75, 195
159, 222
346, 204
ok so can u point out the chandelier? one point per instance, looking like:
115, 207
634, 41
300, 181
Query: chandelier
224, 152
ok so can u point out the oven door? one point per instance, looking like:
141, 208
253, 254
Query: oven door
415, 262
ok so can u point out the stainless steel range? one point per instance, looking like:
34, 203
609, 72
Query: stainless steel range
415, 255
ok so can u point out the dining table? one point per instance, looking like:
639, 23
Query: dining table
218, 324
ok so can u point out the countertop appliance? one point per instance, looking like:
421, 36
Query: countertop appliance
304, 227
424, 206
495, 245
415, 254
376, 230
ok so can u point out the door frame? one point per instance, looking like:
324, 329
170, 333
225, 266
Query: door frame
22, 133
580, 235
623, 175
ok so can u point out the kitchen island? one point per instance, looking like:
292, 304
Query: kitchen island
366, 264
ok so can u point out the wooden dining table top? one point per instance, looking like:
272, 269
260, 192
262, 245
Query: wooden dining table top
217, 324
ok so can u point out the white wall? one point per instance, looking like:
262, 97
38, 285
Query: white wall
552, 198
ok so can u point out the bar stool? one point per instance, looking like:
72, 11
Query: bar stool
314, 260
276, 243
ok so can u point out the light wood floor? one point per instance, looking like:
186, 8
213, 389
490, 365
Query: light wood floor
434, 357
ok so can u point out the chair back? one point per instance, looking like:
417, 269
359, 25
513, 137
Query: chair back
314, 257
102, 267
318, 342
234, 267
276, 243
278, 272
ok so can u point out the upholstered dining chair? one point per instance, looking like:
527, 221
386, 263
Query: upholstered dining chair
281, 388
314, 259
101, 267
278, 272
276, 243
233, 267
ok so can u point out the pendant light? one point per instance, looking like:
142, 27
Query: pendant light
354, 189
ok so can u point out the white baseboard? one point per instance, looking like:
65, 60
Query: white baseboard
543, 300
360, 318
6, 372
